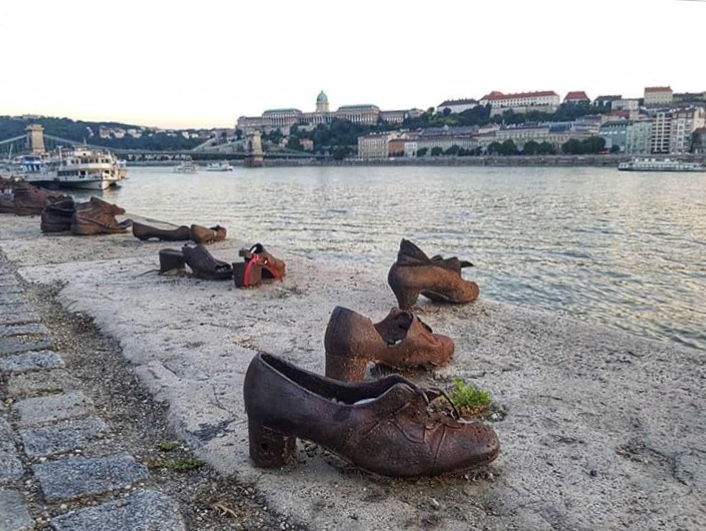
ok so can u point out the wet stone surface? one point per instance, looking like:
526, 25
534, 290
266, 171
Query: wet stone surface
142, 511
74, 477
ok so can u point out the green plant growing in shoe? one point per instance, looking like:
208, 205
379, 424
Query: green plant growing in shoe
469, 400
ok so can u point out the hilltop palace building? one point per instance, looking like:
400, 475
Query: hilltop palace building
284, 119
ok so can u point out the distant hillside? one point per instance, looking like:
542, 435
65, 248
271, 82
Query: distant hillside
109, 134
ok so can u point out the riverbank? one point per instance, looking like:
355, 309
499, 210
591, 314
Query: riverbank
602, 429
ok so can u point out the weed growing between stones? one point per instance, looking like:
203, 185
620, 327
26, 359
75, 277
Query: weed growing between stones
469, 400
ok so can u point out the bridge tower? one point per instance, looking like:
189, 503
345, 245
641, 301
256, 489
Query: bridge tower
35, 139
253, 147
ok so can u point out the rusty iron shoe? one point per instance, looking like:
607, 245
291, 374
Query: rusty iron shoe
28, 200
145, 232
385, 426
204, 265
257, 265
437, 278
56, 217
400, 340
201, 234
96, 216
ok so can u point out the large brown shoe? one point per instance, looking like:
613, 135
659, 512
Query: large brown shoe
400, 340
56, 217
201, 234
437, 278
385, 426
29, 200
98, 217
145, 232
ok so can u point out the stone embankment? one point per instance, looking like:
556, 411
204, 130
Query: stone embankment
599, 429
52, 439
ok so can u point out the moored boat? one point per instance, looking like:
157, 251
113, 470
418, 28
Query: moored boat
654, 164
81, 168
219, 166
186, 166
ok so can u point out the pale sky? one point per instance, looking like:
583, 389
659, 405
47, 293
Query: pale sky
182, 63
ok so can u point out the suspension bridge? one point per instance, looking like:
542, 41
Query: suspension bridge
36, 142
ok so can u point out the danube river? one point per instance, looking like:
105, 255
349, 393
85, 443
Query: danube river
623, 249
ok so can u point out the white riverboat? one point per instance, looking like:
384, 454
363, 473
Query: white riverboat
186, 166
653, 164
219, 166
81, 168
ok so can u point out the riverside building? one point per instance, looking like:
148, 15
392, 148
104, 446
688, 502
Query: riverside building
284, 119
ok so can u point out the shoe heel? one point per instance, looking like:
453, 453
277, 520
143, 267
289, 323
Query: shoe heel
269, 448
406, 298
345, 369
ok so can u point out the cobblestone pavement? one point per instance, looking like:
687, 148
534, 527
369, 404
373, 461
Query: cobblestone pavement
56, 453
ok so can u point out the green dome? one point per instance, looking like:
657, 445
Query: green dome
321, 97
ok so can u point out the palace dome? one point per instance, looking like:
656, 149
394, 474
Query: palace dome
321, 97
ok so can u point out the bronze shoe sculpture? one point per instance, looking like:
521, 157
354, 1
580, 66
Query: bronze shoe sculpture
144, 232
257, 265
275, 268
400, 340
204, 265
385, 426
28, 200
56, 217
201, 234
96, 216
437, 278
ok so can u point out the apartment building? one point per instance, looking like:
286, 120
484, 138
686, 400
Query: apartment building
658, 96
521, 102
637, 140
615, 134
684, 123
661, 133
577, 97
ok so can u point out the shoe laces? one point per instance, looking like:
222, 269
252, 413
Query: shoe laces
431, 394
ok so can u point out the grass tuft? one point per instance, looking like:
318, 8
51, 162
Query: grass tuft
469, 400
167, 446
185, 465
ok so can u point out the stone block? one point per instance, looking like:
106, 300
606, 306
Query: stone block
9, 297
75, 477
11, 468
44, 409
13, 345
30, 329
39, 383
144, 510
5, 430
13, 512
31, 361
62, 436
9, 317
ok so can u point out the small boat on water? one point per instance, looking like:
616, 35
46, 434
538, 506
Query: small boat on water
654, 164
219, 166
81, 168
186, 166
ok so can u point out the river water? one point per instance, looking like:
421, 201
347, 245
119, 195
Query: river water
623, 249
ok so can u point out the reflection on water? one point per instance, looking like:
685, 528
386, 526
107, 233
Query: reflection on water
622, 249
